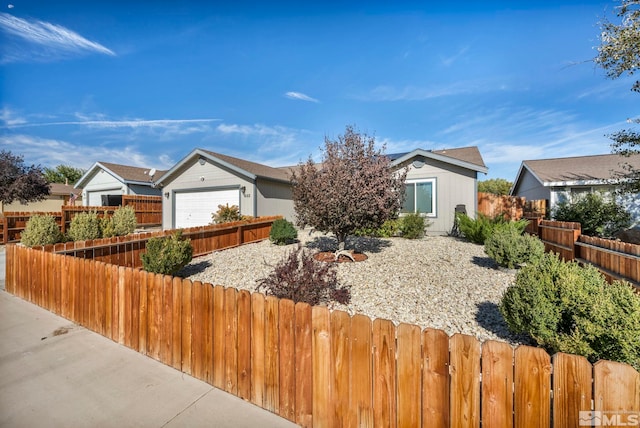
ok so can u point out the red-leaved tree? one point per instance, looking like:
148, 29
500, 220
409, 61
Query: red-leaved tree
354, 187
19, 181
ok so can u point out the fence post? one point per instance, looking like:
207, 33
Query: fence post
5, 230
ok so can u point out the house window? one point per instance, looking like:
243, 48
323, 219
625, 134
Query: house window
420, 196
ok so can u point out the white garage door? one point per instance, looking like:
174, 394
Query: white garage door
195, 208
95, 197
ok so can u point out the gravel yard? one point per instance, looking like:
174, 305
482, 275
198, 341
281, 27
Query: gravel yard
438, 281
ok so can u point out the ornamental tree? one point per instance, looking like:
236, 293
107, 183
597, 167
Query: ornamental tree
619, 54
354, 187
20, 182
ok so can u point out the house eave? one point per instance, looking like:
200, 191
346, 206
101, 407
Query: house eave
441, 158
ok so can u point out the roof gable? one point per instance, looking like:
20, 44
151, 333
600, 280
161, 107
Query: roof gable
251, 170
465, 157
123, 173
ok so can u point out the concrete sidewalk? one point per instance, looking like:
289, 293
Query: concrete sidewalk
54, 373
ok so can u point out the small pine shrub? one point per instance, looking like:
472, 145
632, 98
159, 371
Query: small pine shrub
41, 230
512, 249
283, 232
107, 226
299, 277
412, 226
124, 221
167, 255
226, 214
569, 308
388, 229
479, 229
84, 226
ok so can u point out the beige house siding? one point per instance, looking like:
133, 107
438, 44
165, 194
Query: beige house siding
53, 203
193, 177
454, 186
274, 198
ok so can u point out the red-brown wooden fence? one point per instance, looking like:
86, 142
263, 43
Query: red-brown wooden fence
318, 367
512, 207
148, 213
13, 223
126, 250
616, 260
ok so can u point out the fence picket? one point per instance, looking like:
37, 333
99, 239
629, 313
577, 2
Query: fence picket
497, 385
271, 356
287, 368
176, 322
572, 388
304, 365
322, 416
409, 376
244, 344
186, 317
197, 339
361, 400
219, 342
616, 388
231, 340
532, 381
340, 330
257, 349
384, 373
465, 380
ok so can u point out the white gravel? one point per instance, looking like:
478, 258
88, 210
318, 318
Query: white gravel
438, 281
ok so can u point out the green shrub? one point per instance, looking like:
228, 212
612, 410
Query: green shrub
167, 255
226, 214
301, 278
84, 226
388, 229
412, 226
568, 308
41, 230
479, 229
511, 249
596, 216
283, 232
124, 221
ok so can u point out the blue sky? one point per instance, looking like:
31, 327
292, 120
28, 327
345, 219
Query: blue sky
144, 83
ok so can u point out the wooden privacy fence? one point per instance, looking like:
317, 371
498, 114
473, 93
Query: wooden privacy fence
126, 250
148, 210
148, 213
512, 207
13, 223
318, 367
616, 260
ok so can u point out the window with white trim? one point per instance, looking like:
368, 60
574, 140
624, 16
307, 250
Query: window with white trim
420, 197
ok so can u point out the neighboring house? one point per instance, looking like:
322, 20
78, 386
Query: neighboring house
438, 181
59, 194
194, 187
112, 180
565, 179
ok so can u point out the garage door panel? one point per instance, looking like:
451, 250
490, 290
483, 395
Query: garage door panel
195, 208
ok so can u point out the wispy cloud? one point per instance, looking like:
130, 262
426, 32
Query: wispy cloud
448, 61
47, 41
418, 93
51, 152
8, 117
300, 96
